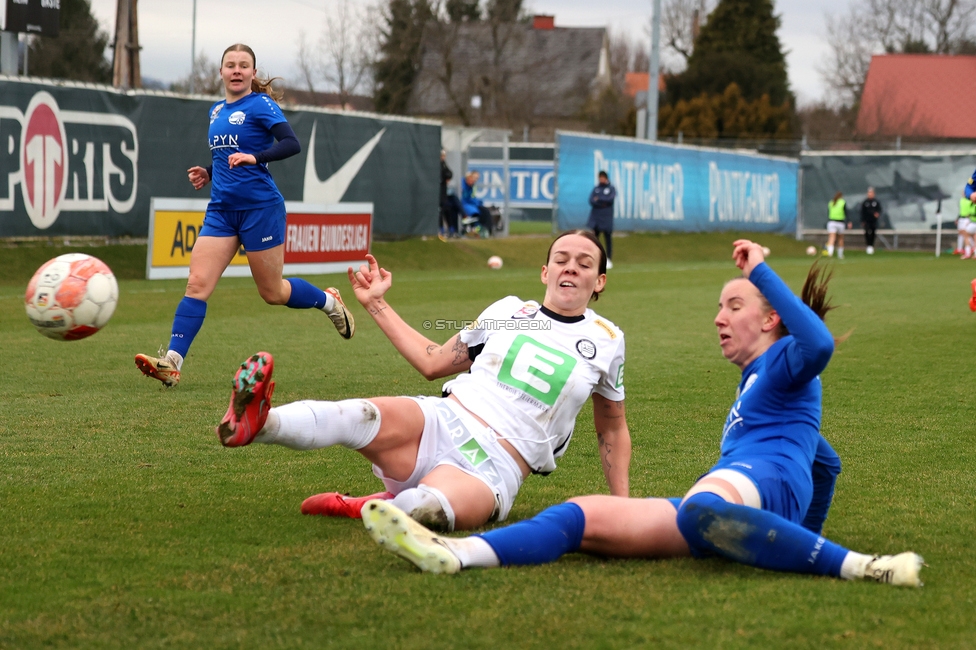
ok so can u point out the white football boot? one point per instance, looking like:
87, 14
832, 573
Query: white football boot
900, 570
395, 531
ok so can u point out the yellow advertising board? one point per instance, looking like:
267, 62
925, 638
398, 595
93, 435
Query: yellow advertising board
319, 238
174, 233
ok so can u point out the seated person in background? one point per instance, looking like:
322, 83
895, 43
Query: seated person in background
472, 205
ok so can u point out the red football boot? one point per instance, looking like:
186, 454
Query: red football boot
333, 504
972, 301
250, 401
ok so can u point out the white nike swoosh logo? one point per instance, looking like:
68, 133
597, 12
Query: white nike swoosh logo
332, 189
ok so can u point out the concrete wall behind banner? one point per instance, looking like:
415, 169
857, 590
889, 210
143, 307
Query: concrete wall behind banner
677, 188
83, 160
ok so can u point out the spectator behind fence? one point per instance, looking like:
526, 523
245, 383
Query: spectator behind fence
450, 205
473, 206
601, 213
836, 223
870, 214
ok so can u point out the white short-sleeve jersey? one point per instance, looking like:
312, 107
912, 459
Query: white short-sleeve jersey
535, 371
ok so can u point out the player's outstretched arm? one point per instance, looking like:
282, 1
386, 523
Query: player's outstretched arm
433, 360
613, 437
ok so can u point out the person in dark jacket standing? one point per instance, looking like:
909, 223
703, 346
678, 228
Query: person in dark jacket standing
450, 205
601, 213
870, 214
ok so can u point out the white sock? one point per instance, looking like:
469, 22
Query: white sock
175, 358
351, 423
830, 250
330, 302
854, 565
427, 506
473, 552
959, 242
840, 252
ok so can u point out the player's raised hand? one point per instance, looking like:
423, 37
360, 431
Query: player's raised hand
198, 177
747, 255
370, 283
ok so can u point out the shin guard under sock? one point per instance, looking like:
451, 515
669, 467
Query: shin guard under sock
304, 295
545, 538
186, 324
756, 537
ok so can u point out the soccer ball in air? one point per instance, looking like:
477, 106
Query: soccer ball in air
811, 250
71, 297
494, 262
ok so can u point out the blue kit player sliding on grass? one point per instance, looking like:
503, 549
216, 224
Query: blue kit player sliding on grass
245, 208
763, 503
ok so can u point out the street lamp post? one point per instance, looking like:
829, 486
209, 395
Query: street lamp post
654, 73
193, 50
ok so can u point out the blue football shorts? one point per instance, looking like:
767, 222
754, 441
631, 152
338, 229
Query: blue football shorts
257, 229
783, 492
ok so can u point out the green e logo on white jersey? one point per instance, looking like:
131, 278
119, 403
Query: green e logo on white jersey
536, 369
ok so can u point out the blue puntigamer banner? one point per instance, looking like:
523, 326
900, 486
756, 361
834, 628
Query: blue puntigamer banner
668, 187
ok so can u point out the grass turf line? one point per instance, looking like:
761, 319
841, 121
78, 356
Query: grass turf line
126, 524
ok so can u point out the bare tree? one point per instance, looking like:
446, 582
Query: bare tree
344, 53
442, 39
307, 62
205, 76
490, 60
846, 67
681, 21
878, 26
346, 61
949, 22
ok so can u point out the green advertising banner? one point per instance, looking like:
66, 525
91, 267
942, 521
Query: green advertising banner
79, 160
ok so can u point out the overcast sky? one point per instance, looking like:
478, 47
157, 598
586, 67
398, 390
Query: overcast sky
272, 30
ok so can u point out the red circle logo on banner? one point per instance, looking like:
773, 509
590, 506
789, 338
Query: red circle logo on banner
44, 160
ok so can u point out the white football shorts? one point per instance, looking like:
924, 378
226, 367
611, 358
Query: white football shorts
452, 436
835, 227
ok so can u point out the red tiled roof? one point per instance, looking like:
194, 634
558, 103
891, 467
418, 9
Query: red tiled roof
636, 82
921, 95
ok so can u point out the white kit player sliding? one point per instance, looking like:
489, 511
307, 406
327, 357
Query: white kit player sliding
457, 462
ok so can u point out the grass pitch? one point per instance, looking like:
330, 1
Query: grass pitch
125, 523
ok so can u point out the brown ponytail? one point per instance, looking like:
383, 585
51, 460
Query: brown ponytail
814, 296
258, 85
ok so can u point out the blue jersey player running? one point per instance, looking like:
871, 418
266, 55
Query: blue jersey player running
245, 208
763, 503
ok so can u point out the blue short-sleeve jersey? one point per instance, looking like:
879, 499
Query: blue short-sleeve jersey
243, 126
776, 413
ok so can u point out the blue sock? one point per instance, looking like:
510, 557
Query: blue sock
756, 537
545, 538
186, 323
305, 295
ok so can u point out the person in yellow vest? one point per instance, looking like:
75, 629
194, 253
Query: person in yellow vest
836, 224
964, 244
